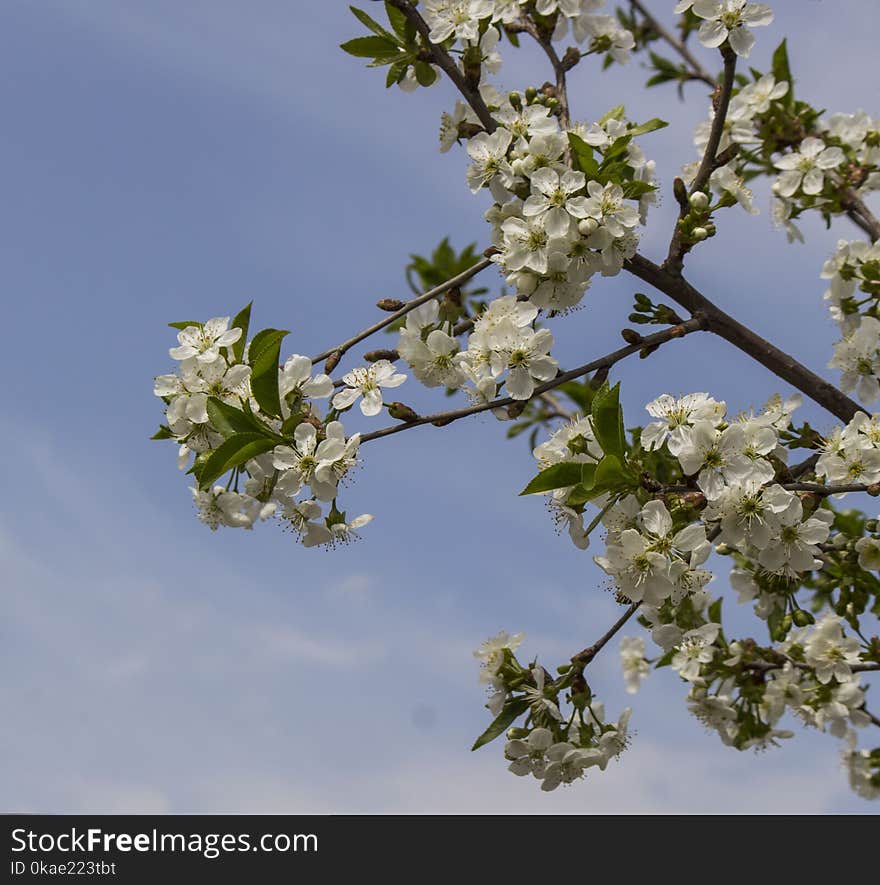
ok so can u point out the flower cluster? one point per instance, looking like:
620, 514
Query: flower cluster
853, 296
553, 747
232, 407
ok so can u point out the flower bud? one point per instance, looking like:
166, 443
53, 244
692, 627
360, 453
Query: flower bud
390, 304
332, 361
871, 526
699, 200
531, 94
699, 233
802, 618
372, 356
587, 226
515, 100
402, 412
631, 336
517, 734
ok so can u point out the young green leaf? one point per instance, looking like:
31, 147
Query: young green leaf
370, 47
508, 715
241, 320
263, 358
163, 433
372, 25
608, 421
568, 473
650, 126
186, 324
229, 421
583, 156
233, 452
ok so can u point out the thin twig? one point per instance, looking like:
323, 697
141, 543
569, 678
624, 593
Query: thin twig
582, 658
725, 326
447, 64
698, 72
708, 164
443, 418
457, 280
558, 68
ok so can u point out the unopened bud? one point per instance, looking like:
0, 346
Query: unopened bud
571, 58
373, 356
390, 304
531, 94
631, 336
515, 100
802, 618
401, 412
587, 226
552, 103
442, 422
647, 351
699, 233
874, 489
871, 525
680, 191
699, 200
332, 361
517, 734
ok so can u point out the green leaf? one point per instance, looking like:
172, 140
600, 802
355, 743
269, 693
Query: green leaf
632, 190
229, 421
617, 149
425, 74
398, 20
583, 155
650, 126
612, 476
666, 660
370, 47
613, 114
509, 713
263, 358
186, 325
233, 452
396, 73
163, 433
559, 476
241, 320
782, 69
715, 611
372, 25
608, 421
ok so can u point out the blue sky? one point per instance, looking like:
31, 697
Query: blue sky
171, 160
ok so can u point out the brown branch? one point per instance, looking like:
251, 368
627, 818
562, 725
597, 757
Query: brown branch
457, 280
558, 68
725, 326
677, 246
583, 658
447, 64
861, 215
441, 419
698, 72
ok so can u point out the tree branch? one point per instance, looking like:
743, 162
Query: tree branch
698, 72
677, 249
441, 419
463, 277
861, 215
583, 658
725, 326
558, 68
447, 64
